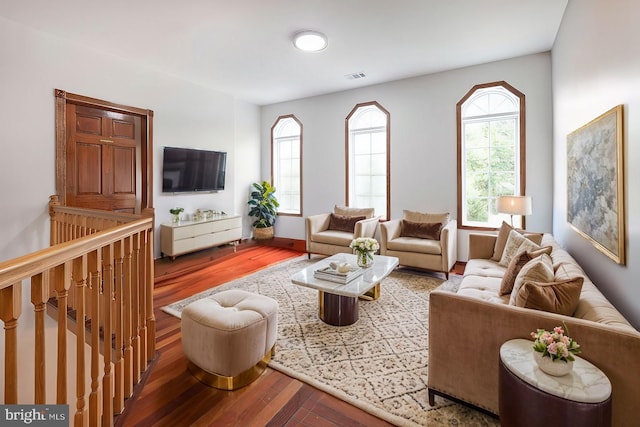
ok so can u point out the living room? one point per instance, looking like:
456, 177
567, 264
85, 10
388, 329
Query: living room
592, 67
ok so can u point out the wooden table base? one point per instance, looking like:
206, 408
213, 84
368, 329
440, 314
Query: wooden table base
337, 310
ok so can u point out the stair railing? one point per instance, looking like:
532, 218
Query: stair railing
104, 262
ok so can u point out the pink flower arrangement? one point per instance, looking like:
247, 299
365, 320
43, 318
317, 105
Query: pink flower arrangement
555, 344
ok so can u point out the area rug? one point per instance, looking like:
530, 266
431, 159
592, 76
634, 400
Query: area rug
378, 364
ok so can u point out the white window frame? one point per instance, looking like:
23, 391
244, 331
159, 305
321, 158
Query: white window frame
365, 200
478, 91
287, 194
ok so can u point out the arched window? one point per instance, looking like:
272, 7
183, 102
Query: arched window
367, 145
286, 164
491, 153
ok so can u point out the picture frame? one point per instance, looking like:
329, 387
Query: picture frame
595, 183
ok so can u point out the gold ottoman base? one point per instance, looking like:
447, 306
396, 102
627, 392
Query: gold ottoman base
231, 383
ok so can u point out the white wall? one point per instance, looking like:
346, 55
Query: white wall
596, 66
423, 140
32, 64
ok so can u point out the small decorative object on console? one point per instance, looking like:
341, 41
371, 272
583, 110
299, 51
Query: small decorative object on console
175, 212
364, 248
554, 350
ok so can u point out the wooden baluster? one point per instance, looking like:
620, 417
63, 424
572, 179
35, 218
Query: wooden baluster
62, 283
10, 308
135, 304
94, 266
54, 202
118, 403
151, 319
128, 351
39, 298
79, 278
142, 300
107, 380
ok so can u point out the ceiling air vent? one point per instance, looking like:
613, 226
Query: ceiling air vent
354, 76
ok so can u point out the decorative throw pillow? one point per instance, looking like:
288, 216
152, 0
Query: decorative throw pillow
344, 223
539, 269
414, 216
501, 241
516, 264
516, 243
556, 297
503, 235
347, 211
422, 230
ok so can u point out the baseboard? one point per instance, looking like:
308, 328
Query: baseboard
283, 242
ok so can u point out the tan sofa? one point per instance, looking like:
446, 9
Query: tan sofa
322, 239
467, 328
423, 253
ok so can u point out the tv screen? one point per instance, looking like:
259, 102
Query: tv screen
187, 170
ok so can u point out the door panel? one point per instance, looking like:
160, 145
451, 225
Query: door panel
88, 124
88, 164
124, 161
123, 129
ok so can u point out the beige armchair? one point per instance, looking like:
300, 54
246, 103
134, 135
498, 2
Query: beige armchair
421, 240
331, 233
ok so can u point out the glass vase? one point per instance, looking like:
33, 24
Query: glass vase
364, 259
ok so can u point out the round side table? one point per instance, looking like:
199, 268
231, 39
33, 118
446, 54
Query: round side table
529, 397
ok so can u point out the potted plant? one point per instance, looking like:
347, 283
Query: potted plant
175, 214
263, 205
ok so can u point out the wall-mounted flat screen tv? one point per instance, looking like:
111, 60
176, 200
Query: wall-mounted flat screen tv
189, 170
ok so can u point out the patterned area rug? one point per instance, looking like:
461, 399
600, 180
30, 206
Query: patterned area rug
378, 364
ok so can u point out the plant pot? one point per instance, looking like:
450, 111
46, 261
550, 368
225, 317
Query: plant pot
264, 233
556, 368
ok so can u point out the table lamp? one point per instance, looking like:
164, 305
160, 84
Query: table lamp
514, 205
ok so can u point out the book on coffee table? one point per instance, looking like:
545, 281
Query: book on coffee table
333, 275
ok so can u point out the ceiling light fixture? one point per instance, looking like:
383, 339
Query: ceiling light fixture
310, 41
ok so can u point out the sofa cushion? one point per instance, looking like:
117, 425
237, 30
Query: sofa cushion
333, 237
516, 243
347, 211
344, 223
484, 288
415, 216
555, 297
413, 244
483, 268
421, 230
539, 269
503, 236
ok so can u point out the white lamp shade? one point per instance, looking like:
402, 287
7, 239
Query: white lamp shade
514, 205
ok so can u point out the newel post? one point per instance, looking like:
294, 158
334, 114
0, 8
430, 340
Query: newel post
54, 201
10, 309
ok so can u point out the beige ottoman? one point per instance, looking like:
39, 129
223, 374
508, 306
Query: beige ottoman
229, 337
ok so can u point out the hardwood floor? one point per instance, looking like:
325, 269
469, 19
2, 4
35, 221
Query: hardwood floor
170, 396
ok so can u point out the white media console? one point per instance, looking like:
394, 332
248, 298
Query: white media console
188, 236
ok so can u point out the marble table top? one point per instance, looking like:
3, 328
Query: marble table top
381, 268
585, 383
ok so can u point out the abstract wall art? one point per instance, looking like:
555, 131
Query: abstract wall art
595, 183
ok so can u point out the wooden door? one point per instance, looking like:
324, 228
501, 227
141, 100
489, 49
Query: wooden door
103, 159
103, 154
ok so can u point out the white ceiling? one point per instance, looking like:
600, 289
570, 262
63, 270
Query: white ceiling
244, 47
